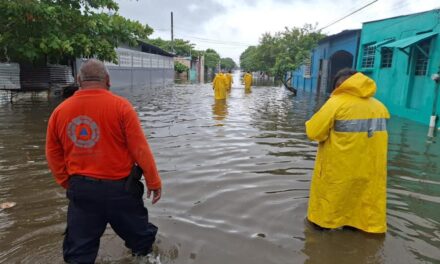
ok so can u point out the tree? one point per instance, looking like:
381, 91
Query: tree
282, 52
197, 53
294, 49
53, 30
212, 58
248, 59
179, 67
227, 64
161, 43
180, 47
268, 51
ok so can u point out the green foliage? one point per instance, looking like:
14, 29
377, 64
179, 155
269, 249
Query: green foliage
179, 67
282, 52
227, 64
212, 59
185, 48
248, 60
53, 30
197, 53
181, 47
161, 43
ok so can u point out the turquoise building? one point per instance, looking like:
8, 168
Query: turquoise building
401, 54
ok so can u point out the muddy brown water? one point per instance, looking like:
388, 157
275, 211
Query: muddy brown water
236, 180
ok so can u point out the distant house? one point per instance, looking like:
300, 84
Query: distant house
196, 66
400, 54
184, 76
332, 54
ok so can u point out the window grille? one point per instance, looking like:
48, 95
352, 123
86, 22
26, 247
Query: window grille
422, 58
368, 56
387, 58
307, 68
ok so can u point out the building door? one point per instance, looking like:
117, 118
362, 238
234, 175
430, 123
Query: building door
323, 75
419, 81
339, 60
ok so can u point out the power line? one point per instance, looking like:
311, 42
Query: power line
162, 29
217, 41
351, 13
210, 41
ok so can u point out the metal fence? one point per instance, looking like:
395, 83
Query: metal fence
140, 70
42, 78
9, 76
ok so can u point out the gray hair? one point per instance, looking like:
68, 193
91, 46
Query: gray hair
93, 70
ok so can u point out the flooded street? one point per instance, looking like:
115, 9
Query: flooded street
236, 178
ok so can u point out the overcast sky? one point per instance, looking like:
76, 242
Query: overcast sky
229, 26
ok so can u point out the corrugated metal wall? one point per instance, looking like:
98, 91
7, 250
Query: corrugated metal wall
34, 78
139, 70
10, 76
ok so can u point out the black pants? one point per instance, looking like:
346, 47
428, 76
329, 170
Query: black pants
93, 204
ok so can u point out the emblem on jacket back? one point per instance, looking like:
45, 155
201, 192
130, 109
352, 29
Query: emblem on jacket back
83, 131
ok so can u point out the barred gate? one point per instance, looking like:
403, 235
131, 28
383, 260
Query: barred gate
10, 76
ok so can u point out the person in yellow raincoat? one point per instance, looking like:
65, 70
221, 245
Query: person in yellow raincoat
247, 79
229, 79
349, 181
219, 84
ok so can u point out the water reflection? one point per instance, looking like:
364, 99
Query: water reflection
219, 110
342, 246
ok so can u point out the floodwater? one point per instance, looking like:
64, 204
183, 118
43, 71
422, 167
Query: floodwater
236, 178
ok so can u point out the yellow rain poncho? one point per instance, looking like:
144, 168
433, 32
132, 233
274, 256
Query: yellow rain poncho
219, 84
247, 79
229, 81
349, 180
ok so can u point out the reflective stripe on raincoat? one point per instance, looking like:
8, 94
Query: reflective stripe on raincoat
219, 84
349, 180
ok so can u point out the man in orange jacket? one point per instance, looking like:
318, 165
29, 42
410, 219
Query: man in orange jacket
93, 140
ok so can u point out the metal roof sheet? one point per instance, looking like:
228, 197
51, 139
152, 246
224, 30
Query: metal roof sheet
406, 42
381, 43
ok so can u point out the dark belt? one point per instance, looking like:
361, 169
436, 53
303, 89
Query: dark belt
87, 178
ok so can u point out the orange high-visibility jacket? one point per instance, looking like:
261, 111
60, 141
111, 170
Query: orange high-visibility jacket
97, 134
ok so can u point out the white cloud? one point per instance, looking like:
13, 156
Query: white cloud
229, 26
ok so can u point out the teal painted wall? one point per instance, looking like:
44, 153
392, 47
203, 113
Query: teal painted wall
405, 94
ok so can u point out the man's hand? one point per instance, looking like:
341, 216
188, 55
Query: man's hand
156, 195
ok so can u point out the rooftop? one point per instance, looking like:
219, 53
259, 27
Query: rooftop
408, 15
339, 35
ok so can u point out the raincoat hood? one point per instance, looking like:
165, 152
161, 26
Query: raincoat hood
358, 85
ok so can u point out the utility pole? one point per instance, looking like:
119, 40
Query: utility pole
172, 32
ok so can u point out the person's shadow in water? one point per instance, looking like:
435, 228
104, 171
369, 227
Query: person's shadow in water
342, 246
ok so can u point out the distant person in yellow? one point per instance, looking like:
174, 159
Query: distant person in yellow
220, 86
348, 187
229, 79
247, 79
